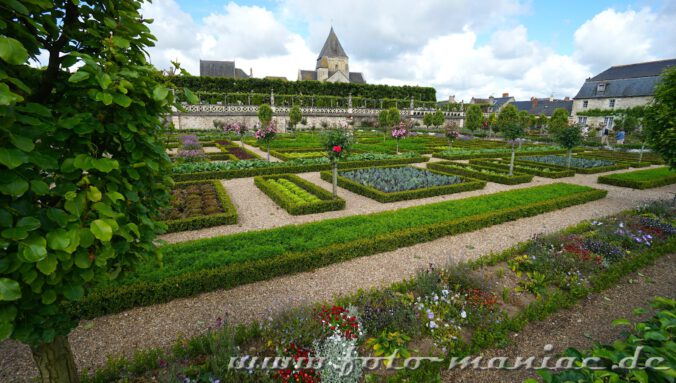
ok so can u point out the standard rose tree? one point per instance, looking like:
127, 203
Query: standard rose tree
452, 134
265, 134
337, 143
399, 132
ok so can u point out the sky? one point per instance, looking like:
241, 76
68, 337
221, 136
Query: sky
464, 48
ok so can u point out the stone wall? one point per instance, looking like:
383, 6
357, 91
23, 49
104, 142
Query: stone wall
603, 104
202, 116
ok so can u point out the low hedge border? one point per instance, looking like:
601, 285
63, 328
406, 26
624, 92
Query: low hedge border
617, 180
380, 196
327, 202
649, 157
224, 148
115, 299
285, 157
228, 217
504, 165
223, 156
242, 173
600, 169
457, 168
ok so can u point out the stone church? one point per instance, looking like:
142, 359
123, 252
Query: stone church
332, 64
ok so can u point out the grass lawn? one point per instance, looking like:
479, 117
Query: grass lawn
641, 179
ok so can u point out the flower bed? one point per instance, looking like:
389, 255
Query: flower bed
536, 170
641, 179
236, 152
249, 168
580, 165
296, 195
481, 172
224, 262
631, 157
199, 204
458, 309
465, 154
292, 155
397, 183
621, 160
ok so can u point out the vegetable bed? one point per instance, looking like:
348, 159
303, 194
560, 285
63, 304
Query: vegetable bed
198, 204
580, 165
481, 172
398, 183
536, 170
224, 262
641, 179
296, 195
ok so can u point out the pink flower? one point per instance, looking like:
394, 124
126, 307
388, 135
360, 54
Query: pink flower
337, 149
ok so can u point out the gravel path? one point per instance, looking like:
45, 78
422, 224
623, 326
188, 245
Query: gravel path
572, 327
261, 153
160, 325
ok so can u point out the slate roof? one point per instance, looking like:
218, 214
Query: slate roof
357, 78
632, 80
332, 47
498, 102
211, 68
647, 69
543, 105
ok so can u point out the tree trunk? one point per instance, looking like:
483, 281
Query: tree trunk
570, 155
335, 179
397, 146
268, 152
640, 154
55, 361
511, 163
241, 140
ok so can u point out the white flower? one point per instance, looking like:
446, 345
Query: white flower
463, 314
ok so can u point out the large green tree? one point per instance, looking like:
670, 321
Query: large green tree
660, 118
83, 172
569, 137
558, 121
508, 116
474, 118
438, 118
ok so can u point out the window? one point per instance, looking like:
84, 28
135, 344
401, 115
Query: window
582, 121
585, 103
608, 122
611, 103
600, 88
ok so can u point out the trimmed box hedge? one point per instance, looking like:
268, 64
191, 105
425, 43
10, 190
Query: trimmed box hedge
224, 262
534, 170
495, 155
464, 170
326, 203
227, 217
242, 173
380, 196
599, 169
631, 157
627, 161
641, 179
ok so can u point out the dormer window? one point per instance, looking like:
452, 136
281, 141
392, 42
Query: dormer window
600, 88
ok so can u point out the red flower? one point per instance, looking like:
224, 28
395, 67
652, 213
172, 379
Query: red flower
337, 149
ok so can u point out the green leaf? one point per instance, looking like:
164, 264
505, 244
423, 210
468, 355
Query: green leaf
5, 218
9, 290
73, 292
101, 230
58, 216
105, 164
15, 188
39, 187
121, 100
94, 194
33, 249
160, 93
82, 260
48, 297
8, 313
14, 234
48, 265
104, 82
23, 143
29, 223
620, 322
12, 158
6, 330
78, 76
190, 96
58, 239
12, 51
120, 42
7, 97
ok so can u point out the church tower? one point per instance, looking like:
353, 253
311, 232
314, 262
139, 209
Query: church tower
333, 59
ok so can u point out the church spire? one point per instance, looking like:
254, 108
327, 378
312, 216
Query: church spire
332, 47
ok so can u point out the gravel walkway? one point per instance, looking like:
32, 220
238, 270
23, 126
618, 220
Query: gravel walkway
572, 327
261, 153
160, 325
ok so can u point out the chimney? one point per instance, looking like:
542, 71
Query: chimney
451, 99
250, 72
551, 98
506, 94
566, 98
533, 103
